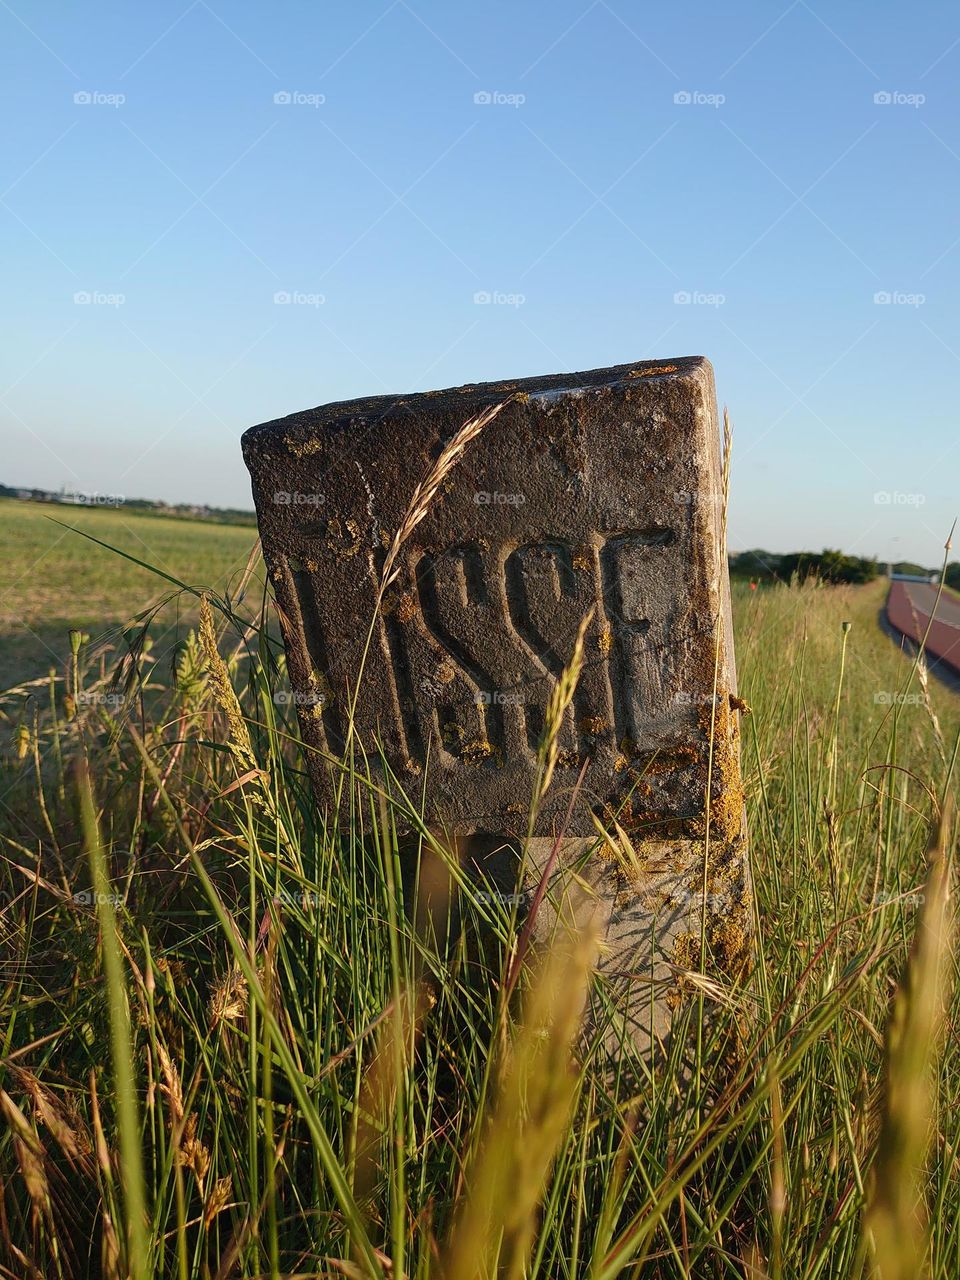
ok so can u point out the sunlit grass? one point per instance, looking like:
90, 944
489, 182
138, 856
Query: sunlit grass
320, 1084
52, 581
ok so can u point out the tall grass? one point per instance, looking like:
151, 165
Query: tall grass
236, 1043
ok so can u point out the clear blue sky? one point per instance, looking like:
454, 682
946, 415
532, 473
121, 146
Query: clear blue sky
782, 198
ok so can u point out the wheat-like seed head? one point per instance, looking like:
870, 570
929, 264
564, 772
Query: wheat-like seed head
924, 678
171, 1085
913, 1048
560, 698
426, 490
494, 1231
223, 689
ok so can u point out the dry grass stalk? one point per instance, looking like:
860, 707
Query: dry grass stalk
710, 988
381, 1085
423, 496
193, 1153
171, 1086
558, 704
618, 845
30, 1155
110, 1249
223, 689
494, 1231
427, 489
561, 696
230, 998
924, 677
218, 1199
99, 1138
64, 1124
895, 1217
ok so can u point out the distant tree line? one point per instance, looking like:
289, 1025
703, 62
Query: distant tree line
146, 506
827, 566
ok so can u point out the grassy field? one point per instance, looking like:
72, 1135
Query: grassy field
229, 1050
52, 580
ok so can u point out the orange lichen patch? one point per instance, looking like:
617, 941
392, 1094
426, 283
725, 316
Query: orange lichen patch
605, 638
668, 876
568, 760
582, 560
445, 672
477, 751
654, 372
726, 790
738, 704
725, 874
346, 533
730, 941
686, 951
641, 763
726, 809
401, 604
406, 607
321, 692
666, 760
303, 448
593, 724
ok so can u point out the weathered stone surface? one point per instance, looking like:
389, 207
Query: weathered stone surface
597, 488
592, 489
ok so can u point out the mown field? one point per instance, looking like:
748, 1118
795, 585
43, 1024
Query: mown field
231, 1046
51, 580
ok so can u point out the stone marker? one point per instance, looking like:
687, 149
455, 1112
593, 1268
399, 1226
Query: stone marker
599, 489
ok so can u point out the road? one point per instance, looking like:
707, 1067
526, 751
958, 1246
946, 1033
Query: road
909, 607
924, 597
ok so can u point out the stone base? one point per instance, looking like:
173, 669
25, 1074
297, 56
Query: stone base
653, 920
